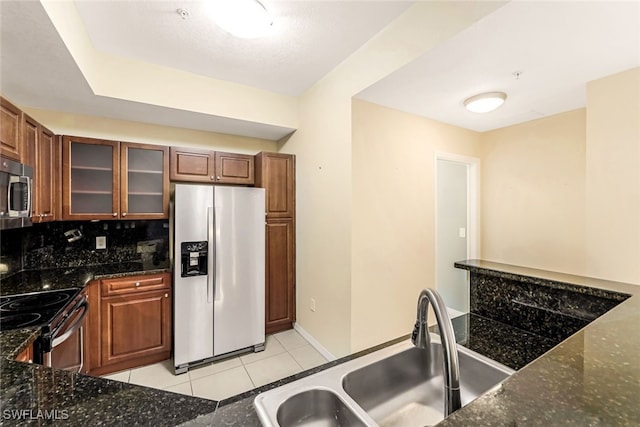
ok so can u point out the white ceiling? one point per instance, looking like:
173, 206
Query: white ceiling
558, 47
308, 38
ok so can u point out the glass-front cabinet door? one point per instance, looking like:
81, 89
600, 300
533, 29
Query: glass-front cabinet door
144, 181
90, 178
114, 180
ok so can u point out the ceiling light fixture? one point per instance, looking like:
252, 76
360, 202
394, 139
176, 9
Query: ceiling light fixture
485, 102
242, 18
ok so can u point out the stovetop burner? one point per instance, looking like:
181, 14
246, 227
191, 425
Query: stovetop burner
34, 301
21, 320
34, 309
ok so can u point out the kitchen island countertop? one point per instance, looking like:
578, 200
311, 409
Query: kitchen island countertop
592, 378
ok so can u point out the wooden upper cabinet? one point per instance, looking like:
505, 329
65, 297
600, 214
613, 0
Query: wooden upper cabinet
46, 176
29, 147
10, 130
30, 130
40, 150
90, 178
233, 168
144, 183
114, 180
192, 165
213, 167
276, 174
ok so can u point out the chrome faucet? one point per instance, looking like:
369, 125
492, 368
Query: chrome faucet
420, 338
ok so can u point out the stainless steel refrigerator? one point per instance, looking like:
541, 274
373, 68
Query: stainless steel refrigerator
219, 271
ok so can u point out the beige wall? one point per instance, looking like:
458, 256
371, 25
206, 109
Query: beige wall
563, 193
393, 211
533, 193
613, 177
323, 147
121, 130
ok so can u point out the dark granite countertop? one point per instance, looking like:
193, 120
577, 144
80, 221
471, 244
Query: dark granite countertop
503, 343
33, 394
590, 379
27, 281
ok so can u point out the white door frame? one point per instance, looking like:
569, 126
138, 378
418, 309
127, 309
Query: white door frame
473, 202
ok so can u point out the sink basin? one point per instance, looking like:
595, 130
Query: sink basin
406, 389
316, 407
399, 385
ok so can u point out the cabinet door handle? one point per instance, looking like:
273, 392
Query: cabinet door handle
137, 283
218, 178
124, 214
115, 214
212, 177
166, 295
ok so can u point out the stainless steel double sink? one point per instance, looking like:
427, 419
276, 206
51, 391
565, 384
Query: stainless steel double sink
399, 385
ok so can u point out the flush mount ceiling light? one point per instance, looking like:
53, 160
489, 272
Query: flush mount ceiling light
242, 18
485, 102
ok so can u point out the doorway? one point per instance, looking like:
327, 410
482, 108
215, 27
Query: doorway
456, 226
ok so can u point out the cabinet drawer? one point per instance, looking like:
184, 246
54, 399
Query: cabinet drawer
129, 285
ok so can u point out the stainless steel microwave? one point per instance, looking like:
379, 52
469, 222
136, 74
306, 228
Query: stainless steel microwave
15, 194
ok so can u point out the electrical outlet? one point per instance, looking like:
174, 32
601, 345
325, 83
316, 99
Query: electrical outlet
312, 307
101, 242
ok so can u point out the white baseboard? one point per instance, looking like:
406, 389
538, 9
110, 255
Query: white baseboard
314, 343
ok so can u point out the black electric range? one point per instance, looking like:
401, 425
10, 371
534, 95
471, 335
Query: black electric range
38, 309
59, 316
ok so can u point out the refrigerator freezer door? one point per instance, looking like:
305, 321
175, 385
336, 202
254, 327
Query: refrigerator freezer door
193, 319
239, 268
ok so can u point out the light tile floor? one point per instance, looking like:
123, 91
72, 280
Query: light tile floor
286, 353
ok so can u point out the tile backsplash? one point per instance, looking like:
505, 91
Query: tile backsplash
70, 244
10, 251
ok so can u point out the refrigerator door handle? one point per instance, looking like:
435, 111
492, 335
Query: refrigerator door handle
216, 223
210, 240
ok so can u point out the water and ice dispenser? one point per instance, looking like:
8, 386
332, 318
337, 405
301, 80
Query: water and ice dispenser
194, 256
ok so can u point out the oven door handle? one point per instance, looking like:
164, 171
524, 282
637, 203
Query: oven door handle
55, 341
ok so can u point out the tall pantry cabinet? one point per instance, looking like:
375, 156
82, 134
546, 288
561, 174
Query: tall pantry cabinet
276, 174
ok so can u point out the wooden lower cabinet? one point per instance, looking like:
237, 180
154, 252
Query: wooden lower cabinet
26, 355
134, 323
280, 275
